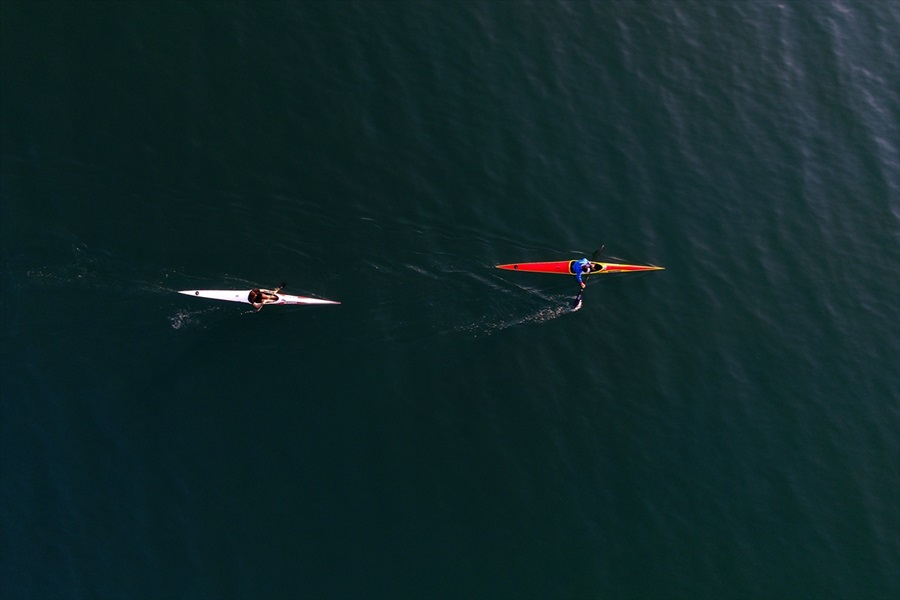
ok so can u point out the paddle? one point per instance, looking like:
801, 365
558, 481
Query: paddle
576, 303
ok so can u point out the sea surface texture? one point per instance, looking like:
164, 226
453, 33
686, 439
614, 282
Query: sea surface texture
726, 428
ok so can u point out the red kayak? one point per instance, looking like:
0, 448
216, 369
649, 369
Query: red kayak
564, 267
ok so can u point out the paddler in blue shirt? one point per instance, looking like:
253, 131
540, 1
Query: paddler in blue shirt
580, 268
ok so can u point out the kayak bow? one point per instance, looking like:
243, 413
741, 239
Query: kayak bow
564, 267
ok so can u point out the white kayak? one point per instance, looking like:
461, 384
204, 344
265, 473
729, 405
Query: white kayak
244, 296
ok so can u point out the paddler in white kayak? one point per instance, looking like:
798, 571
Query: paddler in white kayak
259, 297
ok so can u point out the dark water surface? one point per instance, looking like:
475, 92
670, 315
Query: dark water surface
724, 428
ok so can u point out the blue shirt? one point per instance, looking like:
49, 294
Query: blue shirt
577, 266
